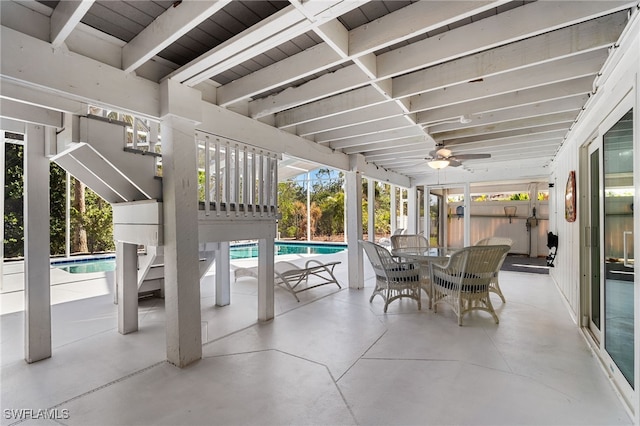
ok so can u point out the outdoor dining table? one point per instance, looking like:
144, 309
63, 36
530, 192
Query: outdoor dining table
425, 256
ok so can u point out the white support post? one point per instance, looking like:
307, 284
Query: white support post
266, 301
223, 277
67, 222
218, 178
467, 214
427, 212
412, 210
308, 206
37, 309
181, 111
393, 210
371, 197
127, 285
533, 232
2, 163
354, 229
245, 180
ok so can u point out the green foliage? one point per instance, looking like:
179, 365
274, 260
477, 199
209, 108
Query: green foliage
98, 223
13, 204
519, 197
288, 194
57, 206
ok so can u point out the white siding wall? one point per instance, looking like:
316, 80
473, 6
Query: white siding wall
620, 82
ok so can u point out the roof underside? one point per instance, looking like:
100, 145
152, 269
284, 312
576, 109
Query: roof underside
391, 80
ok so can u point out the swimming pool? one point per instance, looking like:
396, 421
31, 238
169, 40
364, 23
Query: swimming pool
86, 265
241, 251
246, 251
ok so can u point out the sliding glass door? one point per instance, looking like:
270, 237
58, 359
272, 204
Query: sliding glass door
618, 230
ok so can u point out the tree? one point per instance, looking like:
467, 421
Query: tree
78, 211
57, 208
14, 206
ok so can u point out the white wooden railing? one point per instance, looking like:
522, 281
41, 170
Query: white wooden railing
236, 179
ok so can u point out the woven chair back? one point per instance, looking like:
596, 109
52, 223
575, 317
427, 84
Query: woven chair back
409, 241
495, 241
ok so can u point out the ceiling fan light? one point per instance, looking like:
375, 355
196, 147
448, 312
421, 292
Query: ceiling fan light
438, 164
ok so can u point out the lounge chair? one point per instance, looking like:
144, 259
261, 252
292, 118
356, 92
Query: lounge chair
296, 279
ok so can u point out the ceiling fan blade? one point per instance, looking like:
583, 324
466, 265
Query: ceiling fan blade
454, 163
433, 154
471, 156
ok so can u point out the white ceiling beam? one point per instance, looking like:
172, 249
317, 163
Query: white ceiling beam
570, 104
364, 115
75, 76
282, 26
12, 90
344, 79
175, 22
392, 153
411, 21
496, 136
29, 113
415, 141
65, 17
383, 136
324, 108
578, 86
552, 135
288, 70
362, 129
258, 34
562, 117
573, 40
408, 22
516, 24
582, 65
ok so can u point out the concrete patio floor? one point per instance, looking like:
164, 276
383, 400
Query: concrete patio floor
332, 359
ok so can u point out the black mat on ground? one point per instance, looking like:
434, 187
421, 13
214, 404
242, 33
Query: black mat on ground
522, 263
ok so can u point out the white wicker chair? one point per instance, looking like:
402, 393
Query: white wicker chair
394, 279
463, 283
496, 241
420, 242
409, 241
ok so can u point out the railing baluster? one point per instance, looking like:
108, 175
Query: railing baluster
245, 189
217, 177
207, 174
236, 179
254, 166
227, 178
261, 185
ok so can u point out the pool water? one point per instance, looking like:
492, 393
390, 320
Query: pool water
84, 266
249, 251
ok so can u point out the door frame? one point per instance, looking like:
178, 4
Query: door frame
595, 141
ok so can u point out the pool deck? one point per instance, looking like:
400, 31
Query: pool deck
326, 360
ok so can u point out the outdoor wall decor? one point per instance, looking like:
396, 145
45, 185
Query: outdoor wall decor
570, 198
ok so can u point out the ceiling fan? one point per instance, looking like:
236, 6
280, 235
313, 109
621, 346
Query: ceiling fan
443, 157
